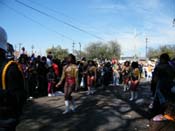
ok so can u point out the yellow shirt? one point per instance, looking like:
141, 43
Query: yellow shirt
136, 73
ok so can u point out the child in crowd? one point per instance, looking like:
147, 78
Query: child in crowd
51, 81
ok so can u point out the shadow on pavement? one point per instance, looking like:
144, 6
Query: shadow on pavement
108, 110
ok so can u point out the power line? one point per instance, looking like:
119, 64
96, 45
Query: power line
173, 10
73, 47
58, 12
146, 53
59, 20
53, 10
34, 21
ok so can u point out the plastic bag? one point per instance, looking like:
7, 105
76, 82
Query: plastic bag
82, 82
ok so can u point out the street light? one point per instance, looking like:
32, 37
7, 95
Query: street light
20, 44
146, 53
32, 48
136, 34
80, 49
73, 47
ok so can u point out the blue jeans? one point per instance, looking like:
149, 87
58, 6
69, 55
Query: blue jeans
115, 79
158, 93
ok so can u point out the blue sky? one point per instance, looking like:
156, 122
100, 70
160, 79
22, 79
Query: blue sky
127, 21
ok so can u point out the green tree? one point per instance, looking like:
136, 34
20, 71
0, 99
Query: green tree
114, 49
79, 54
93, 50
169, 49
103, 50
155, 53
58, 52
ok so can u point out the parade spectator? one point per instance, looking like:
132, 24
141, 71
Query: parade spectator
42, 76
56, 69
106, 74
23, 61
80, 75
10, 52
164, 75
32, 79
116, 74
149, 72
51, 77
135, 80
12, 91
85, 66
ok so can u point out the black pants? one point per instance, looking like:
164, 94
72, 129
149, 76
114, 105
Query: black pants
8, 124
42, 87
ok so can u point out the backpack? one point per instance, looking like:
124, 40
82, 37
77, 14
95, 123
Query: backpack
4, 71
7, 100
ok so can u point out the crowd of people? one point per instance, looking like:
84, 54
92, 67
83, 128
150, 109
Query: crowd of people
45, 75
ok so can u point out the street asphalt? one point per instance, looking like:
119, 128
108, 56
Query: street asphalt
108, 109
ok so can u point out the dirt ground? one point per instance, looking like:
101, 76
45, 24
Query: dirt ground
107, 110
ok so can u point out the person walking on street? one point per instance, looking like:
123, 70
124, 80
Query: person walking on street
135, 80
126, 72
70, 75
91, 76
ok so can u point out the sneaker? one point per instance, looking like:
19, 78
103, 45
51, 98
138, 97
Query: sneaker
73, 110
150, 106
124, 88
30, 98
131, 99
49, 95
88, 93
92, 92
65, 112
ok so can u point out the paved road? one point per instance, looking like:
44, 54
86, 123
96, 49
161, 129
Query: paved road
107, 110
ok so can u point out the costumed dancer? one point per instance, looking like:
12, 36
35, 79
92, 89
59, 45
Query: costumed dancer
126, 72
135, 80
70, 75
91, 76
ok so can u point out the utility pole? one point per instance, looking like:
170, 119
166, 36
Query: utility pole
20, 44
73, 47
146, 48
15, 47
32, 48
80, 49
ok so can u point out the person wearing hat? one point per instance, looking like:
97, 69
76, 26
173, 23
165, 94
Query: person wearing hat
12, 92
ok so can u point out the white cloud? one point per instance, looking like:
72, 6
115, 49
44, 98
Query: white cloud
153, 22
